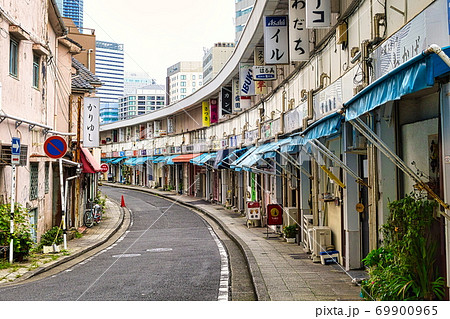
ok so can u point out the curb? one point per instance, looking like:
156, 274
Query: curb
257, 278
65, 259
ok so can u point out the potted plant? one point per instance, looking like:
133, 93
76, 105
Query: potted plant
289, 233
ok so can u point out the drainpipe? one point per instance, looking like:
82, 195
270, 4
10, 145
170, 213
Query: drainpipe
434, 48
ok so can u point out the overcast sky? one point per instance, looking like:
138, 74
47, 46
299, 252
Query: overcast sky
159, 33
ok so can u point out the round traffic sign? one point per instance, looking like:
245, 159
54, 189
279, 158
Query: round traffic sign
104, 168
55, 147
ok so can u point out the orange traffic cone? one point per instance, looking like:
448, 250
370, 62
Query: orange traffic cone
122, 203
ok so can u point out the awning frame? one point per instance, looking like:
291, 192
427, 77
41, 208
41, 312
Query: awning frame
373, 138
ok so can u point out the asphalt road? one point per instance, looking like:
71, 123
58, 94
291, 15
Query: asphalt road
168, 253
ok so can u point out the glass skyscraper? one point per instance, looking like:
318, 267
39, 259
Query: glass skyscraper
109, 68
72, 9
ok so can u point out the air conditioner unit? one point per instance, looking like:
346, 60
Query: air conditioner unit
290, 216
356, 142
321, 240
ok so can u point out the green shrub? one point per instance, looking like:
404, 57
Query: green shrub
404, 268
22, 239
290, 231
52, 236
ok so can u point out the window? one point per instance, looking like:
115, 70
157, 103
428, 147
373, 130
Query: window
36, 70
47, 177
183, 83
34, 179
193, 77
183, 77
13, 57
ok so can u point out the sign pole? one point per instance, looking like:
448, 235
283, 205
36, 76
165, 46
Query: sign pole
13, 199
63, 204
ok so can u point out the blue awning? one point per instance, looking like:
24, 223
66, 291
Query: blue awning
326, 126
235, 165
221, 154
108, 160
117, 160
269, 152
203, 158
168, 159
158, 159
293, 147
140, 160
412, 76
231, 158
130, 161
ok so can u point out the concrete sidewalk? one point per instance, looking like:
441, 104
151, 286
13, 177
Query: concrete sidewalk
113, 217
280, 271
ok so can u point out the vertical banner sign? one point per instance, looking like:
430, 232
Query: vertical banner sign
298, 34
246, 83
213, 111
91, 122
205, 113
318, 13
260, 86
276, 43
170, 125
236, 96
226, 100
274, 214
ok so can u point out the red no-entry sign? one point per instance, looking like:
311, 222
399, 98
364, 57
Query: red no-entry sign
55, 147
104, 168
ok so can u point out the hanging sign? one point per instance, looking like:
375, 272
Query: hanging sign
276, 44
213, 111
298, 33
91, 122
265, 72
226, 101
274, 214
236, 97
246, 83
205, 113
318, 14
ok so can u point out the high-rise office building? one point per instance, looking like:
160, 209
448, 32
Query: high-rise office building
183, 79
109, 67
215, 58
141, 101
243, 10
72, 9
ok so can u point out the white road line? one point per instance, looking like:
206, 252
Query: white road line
224, 268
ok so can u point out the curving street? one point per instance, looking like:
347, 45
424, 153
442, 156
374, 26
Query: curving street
168, 253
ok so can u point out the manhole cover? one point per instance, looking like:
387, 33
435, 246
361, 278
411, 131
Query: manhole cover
158, 250
126, 255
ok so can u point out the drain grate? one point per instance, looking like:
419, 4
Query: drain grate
299, 256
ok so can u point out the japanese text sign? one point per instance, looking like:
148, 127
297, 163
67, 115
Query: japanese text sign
205, 113
298, 34
276, 44
318, 13
246, 83
226, 100
91, 122
213, 111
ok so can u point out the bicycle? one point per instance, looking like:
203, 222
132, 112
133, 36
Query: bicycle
92, 215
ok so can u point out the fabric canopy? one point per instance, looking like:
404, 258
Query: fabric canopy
140, 160
235, 165
293, 146
412, 76
117, 160
326, 126
203, 158
221, 154
271, 148
185, 158
130, 161
169, 159
90, 165
230, 158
